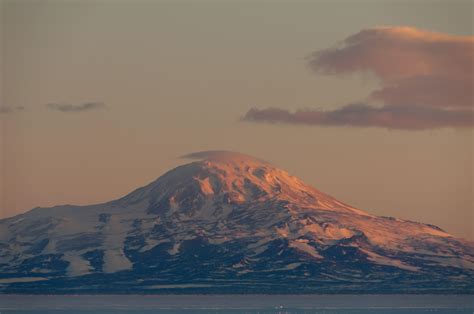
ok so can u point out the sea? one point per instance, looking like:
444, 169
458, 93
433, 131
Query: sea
330, 304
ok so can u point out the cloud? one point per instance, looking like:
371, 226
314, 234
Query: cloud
362, 115
10, 109
414, 66
434, 91
220, 155
88, 106
426, 78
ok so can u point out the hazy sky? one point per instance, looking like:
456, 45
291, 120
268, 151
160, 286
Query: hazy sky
100, 97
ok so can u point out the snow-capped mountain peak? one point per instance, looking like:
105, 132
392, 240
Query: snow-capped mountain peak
229, 219
231, 179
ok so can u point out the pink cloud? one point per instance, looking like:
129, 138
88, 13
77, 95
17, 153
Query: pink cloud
426, 81
434, 91
414, 66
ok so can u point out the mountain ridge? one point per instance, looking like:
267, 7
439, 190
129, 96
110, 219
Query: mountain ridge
227, 223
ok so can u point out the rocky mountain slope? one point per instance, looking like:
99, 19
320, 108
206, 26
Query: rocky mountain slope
228, 223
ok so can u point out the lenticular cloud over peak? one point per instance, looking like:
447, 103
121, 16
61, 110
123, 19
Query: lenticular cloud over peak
221, 155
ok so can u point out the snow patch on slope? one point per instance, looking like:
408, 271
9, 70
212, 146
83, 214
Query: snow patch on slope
114, 257
77, 265
302, 245
382, 260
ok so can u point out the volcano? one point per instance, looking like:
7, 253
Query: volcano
227, 223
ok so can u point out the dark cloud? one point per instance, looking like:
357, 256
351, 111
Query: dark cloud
10, 109
88, 106
362, 115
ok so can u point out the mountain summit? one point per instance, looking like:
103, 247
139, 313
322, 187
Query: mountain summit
227, 223
223, 181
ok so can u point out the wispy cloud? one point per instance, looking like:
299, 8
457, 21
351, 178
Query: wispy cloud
88, 106
362, 115
10, 109
426, 80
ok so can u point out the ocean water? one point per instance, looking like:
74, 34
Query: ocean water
330, 304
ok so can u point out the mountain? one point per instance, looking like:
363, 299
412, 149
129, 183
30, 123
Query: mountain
227, 223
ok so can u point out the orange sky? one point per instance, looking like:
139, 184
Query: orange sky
166, 79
